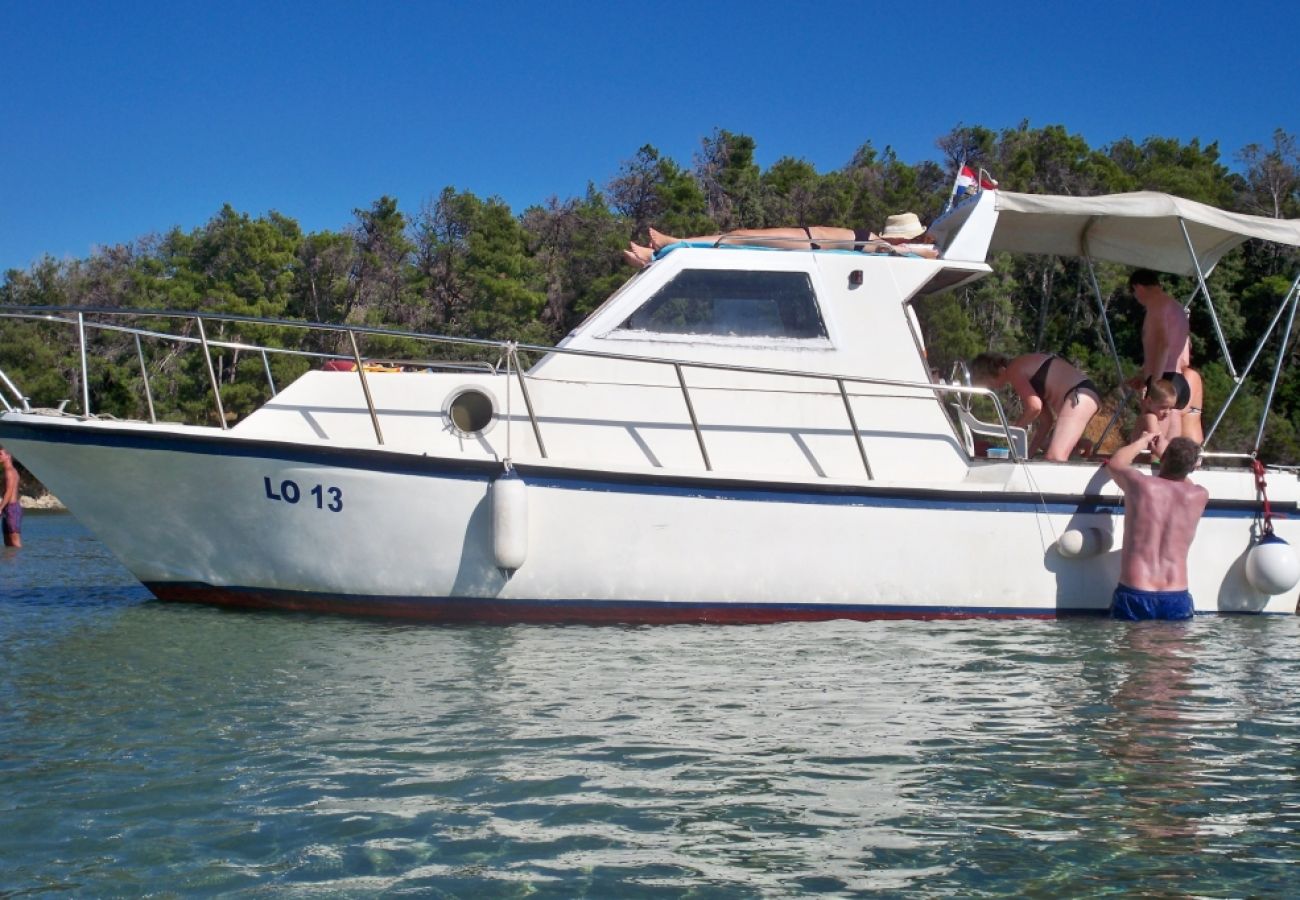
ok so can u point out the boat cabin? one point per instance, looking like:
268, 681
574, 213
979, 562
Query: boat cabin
794, 364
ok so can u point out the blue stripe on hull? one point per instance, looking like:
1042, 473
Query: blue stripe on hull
704, 487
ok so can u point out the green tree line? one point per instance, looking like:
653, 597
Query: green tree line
464, 265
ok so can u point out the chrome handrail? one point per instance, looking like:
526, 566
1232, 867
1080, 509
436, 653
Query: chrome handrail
853, 424
13, 389
365, 387
144, 374
212, 373
690, 411
528, 401
52, 314
85, 369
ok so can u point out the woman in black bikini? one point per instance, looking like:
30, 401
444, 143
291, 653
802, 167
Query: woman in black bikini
1052, 393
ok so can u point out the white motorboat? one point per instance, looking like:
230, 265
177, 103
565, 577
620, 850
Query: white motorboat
740, 434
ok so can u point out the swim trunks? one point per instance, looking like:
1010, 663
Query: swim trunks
1133, 605
13, 518
1182, 390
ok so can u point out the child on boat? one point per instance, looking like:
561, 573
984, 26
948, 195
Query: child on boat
1157, 415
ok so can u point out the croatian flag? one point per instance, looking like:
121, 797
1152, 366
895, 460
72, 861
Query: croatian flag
967, 183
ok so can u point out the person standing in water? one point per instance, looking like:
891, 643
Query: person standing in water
1161, 513
12, 512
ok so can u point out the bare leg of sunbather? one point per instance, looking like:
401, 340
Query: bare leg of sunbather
659, 240
637, 255
786, 238
645, 254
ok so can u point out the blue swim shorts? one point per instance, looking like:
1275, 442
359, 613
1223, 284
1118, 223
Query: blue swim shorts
1133, 605
12, 518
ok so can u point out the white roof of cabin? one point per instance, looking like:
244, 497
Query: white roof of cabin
867, 332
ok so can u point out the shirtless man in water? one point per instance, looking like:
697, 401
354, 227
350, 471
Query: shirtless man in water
11, 509
1161, 513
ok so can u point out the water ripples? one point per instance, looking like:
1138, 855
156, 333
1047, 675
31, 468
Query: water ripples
152, 747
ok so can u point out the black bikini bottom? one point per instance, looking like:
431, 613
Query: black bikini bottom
1085, 385
1182, 390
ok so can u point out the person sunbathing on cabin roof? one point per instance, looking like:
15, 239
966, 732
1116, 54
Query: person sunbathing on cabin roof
902, 234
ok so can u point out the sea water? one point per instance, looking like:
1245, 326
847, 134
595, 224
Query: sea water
173, 750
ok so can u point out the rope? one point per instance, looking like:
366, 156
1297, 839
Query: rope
1262, 489
1041, 514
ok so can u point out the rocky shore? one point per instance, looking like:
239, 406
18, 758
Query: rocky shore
34, 495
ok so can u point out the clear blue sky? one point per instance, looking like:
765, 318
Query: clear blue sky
118, 119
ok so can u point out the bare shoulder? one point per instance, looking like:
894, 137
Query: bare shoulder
1126, 476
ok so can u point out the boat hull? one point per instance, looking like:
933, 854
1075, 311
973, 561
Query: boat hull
201, 515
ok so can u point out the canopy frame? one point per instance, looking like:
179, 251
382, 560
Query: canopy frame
1068, 226
1290, 300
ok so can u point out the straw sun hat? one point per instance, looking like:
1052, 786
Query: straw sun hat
903, 226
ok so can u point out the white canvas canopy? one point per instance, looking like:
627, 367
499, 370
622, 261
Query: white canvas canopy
1144, 229
1139, 229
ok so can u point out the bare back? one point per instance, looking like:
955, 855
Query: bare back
1165, 333
1160, 519
10, 483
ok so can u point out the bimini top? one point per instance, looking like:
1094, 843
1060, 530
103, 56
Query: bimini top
1140, 229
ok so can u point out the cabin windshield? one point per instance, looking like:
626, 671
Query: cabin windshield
733, 304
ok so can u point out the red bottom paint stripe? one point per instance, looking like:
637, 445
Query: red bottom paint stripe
454, 610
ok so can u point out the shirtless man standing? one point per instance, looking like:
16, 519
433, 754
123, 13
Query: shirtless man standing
1166, 348
11, 510
1160, 518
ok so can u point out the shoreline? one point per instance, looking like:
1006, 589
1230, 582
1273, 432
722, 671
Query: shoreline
44, 501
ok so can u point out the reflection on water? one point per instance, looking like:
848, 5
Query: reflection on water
1148, 737
146, 746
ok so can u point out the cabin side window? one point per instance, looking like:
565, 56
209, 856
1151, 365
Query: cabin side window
732, 304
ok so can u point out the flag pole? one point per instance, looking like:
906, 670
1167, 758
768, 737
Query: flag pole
961, 164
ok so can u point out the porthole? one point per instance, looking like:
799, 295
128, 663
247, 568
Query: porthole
470, 410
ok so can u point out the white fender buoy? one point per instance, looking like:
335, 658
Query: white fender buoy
1272, 566
1080, 543
510, 520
